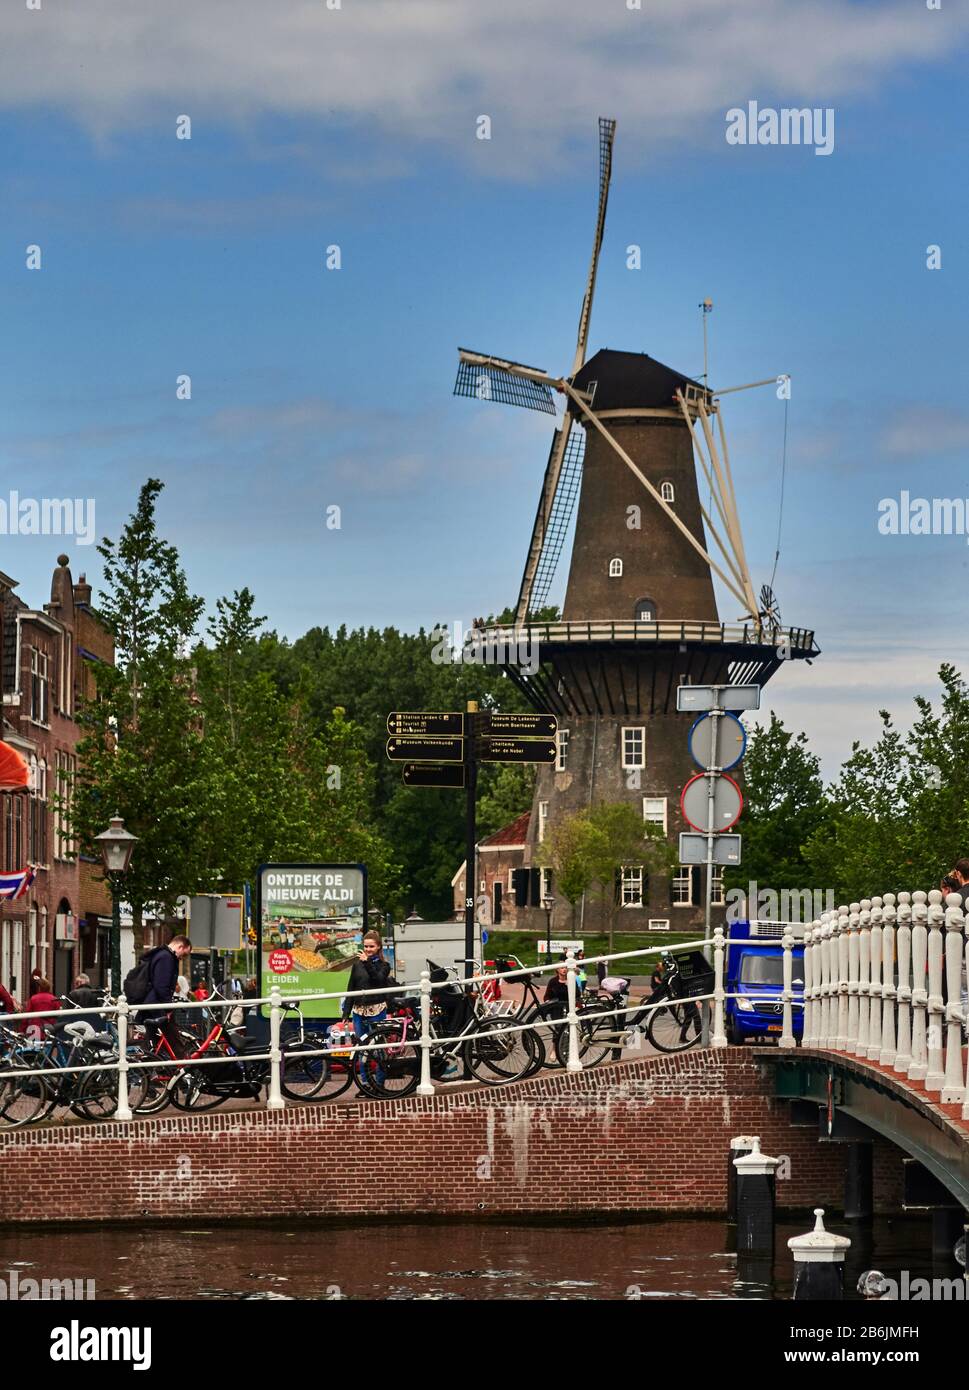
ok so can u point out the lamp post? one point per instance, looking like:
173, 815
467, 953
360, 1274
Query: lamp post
116, 845
548, 903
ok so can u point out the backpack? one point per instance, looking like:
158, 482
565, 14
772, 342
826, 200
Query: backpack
137, 982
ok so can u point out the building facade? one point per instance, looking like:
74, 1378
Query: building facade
61, 925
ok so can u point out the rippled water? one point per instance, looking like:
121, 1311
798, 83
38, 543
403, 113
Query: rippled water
653, 1260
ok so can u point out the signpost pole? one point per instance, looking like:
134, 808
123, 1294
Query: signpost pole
713, 772
470, 846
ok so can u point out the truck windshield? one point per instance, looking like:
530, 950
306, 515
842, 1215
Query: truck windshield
762, 970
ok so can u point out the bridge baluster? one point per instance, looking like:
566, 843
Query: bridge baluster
841, 1038
864, 977
965, 1103
954, 1089
787, 1038
887, 1054
719, 1038
824, 1031
874, 985
920, 936
809, 1037
853, 943
935, 1075
903, 992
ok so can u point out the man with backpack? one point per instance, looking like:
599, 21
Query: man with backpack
153, 981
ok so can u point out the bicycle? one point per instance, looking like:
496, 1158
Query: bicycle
493, 1050
670, 1027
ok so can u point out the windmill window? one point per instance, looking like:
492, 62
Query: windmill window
632, 885
667, 492
654, 810
634, 747
561, 749
615, 568
542, 819
683, 887
716, 886
646, 610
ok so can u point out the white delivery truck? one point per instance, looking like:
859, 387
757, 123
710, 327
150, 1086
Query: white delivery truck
417, 942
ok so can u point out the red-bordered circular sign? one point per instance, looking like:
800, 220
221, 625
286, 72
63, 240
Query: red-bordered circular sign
728, 804
280, 962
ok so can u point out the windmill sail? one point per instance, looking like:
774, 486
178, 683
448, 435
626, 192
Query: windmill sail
557, 526
607, 133
486, 378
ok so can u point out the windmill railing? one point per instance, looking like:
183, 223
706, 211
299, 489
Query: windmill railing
785, 640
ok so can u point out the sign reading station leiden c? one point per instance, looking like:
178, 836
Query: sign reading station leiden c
310, 920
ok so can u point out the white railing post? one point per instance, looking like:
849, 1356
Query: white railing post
864, 977
851, 1041
787, 1031
426, 1087
275, 1099
954, 1089
719, 1038
824, 1030
575, 1061
874, 984
965, 1103
808, 1033
920, 937
841, 1036
903, 992
123, 1112
887, 1055
935, 1073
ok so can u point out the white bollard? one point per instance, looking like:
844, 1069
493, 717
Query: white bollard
426, 1087
887, 1055
954, 1088
920, 938
819, 1263
275, 1100
935, 1073
123, 1111
903, 990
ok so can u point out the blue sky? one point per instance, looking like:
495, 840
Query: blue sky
312, 387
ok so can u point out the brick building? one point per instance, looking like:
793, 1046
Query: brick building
62, 924
498, 857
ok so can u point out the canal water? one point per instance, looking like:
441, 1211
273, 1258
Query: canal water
653, 1260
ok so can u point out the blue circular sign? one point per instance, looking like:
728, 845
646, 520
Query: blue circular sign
731, 741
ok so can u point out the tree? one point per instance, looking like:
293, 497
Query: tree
505, 793
140, 754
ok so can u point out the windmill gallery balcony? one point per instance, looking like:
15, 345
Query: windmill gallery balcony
625, 667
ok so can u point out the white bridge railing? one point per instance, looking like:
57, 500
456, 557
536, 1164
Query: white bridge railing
883, 980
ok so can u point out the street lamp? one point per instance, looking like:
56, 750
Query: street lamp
116, 845
548, 903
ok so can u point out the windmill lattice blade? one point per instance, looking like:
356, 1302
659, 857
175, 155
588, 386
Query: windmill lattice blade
607, 132
489, 383
556, 530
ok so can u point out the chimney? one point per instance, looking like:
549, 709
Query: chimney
82, 592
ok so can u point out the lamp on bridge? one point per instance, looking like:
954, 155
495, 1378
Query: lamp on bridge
116, 845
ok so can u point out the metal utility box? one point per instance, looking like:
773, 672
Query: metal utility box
442, 942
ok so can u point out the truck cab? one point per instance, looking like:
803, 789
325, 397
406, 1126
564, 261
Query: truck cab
755, 979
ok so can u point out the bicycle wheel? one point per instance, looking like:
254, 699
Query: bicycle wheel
97, 1097
597, 1040
188, 1093
156, 1095
23, 1099
674, 1027
393, 1069
497, 1052
304, 1078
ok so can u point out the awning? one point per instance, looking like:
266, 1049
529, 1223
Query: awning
14, 773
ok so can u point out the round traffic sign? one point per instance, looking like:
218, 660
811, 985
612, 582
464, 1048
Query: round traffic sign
728, 802
731, 741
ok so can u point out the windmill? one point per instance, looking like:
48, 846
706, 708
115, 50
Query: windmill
640, 612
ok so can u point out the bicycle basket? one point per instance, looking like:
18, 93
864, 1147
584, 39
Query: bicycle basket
695, 976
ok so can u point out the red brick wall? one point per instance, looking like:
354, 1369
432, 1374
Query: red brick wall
650, 1136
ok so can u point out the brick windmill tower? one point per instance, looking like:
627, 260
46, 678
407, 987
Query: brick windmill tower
640, 613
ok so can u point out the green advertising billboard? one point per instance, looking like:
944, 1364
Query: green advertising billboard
310, 920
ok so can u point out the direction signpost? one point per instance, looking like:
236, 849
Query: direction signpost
444, 749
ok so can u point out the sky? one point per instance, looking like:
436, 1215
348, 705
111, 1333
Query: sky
316, 124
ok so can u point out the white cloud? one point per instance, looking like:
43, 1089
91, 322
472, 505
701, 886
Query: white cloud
926, 430
422, 70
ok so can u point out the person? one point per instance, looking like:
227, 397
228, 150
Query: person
657, 980
200, 992
8, 1005
369, 971
40, 999
182, 990
557, 989
957, 881
87, 998
162, 980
